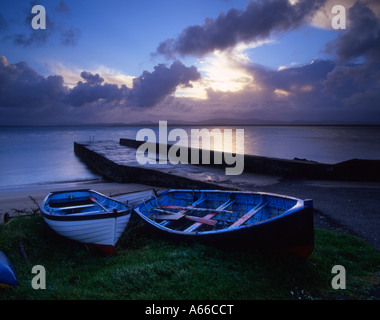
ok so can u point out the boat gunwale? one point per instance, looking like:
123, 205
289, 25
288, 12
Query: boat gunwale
83, 215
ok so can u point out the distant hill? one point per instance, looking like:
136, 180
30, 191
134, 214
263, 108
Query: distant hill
230, 122
245, 122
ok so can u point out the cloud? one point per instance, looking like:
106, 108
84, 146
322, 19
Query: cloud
355, 84
257, 22
224, 70
148, 89
57, 28
318, 91
22, 87
63, 8
93, 90
347, 88
323, 17
70, 36
152, 87
291, 79
321, 90
361, 38
71, 73
292, 92
91, 79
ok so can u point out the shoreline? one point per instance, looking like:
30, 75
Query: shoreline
37, 185
343, 205
349, 207
20, 200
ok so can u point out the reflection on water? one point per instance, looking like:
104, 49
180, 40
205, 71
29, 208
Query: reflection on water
45, 154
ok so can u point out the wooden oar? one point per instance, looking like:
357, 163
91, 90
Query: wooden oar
100, 205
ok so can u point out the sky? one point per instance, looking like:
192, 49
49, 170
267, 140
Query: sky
131, 61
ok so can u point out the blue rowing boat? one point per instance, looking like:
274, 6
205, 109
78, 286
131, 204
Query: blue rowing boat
7, 272
233, 219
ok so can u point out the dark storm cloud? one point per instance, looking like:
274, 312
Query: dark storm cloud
362, 36
21, 86
92, 90
259, 20
91, 79
148, 89
319, 91
355, 84
289, 79
351, 83
296, 90
152, 87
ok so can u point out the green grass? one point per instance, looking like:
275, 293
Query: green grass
146, 267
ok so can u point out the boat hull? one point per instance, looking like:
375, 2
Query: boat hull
102, 232
292, 232
99, 228
7, 273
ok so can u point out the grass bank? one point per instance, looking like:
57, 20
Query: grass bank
145, 267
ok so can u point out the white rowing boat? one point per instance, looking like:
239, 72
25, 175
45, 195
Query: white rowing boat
86, 216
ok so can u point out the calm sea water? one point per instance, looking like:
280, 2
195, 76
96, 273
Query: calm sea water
30, 155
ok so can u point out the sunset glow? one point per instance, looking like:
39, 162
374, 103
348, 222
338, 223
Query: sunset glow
189, 60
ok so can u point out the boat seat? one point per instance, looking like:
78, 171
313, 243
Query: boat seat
248, 215
212, 214
78, 213
77, 207
183, 212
